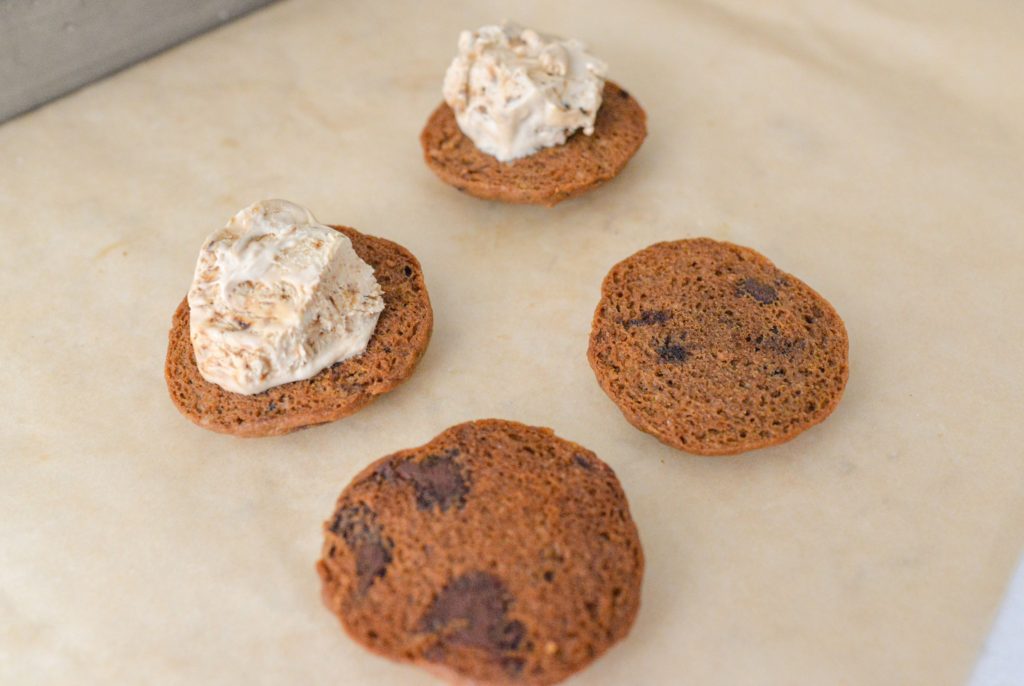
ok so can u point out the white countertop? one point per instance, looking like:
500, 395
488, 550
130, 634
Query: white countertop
1002, 659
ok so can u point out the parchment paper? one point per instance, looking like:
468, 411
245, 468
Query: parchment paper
874, 149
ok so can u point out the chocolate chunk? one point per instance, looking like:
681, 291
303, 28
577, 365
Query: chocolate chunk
647, 318
673, 352
476, 604
582, 462
780, 345
357, 525
513, 665
759, 291
437, 479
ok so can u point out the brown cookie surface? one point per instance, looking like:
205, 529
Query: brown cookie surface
715, 351
548, 176
496, 553
399, 340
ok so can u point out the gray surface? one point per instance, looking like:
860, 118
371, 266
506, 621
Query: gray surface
50, 47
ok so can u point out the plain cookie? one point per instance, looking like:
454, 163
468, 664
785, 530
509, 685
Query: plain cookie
496, 553
712, 349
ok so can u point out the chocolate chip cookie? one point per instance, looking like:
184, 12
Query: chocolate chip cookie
496, 553
398, 342
549, 175
714, 350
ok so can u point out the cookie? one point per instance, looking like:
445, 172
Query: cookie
714, 350
496, 553
397, 344
548, 176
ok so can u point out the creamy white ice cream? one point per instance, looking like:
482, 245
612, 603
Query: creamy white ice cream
277, 297
515, 91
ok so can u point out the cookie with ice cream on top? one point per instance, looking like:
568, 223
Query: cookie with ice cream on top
529, 118
289, 322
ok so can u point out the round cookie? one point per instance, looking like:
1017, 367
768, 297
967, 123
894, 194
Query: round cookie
715, 351
548, 176
400, 339
496, 553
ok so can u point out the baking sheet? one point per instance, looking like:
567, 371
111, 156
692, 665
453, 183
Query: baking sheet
873, 149
50, 47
